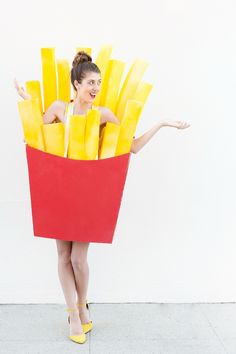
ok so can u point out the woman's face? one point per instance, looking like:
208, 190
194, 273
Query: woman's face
89, 87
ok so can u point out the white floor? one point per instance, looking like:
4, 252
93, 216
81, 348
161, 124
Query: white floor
137, 328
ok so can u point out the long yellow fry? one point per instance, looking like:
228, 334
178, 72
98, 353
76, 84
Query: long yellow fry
49, 76
129, 86
102, 63
33, 88
54, 138
112, 80
63, 75
142, 92
109, 141
76, 148
92, 134
31, 119
128, 126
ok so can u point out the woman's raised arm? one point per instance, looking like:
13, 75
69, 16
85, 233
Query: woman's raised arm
139, 142
54, 111
21, 91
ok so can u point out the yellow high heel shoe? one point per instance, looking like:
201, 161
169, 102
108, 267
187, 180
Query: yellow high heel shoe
86, 326
78, 338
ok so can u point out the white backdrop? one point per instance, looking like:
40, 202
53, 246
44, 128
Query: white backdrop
176, 233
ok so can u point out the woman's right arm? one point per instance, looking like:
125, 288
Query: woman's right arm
54, 111
21, 91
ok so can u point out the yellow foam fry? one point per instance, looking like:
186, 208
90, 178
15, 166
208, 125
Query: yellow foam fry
85, 49
126, 137
63, 77
128, 126
33, 88
102, 63
49, 76
92, 134
109, 141
76, 148
112, 80
54, 138
142, 92
32, 120
130, 85
103, 58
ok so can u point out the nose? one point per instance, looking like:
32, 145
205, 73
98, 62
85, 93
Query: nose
97, 87
95, 90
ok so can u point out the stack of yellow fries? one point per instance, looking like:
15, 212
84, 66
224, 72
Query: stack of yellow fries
81, 138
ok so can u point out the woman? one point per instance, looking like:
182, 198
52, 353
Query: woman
73, 268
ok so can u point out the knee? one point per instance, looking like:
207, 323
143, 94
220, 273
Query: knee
64, 257
79, 264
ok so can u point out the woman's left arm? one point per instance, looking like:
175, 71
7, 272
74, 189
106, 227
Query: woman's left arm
139, 142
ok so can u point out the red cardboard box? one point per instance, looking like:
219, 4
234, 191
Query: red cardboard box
75, 200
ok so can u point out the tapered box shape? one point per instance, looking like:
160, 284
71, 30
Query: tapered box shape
75, 200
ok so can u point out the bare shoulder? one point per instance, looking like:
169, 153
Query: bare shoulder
60, 104
102, 109
107, 115
57, 105
55, 111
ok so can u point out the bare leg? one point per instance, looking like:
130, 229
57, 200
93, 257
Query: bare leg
67, 280
81, 271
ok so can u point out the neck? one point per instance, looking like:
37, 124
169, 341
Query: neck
81, 106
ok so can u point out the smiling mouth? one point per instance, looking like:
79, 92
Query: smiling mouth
93, 96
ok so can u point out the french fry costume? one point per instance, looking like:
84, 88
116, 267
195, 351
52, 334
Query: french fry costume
77, 168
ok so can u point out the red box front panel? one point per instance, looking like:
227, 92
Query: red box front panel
75, 200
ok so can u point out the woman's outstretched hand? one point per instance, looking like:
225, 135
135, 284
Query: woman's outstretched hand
176, 124
21, 91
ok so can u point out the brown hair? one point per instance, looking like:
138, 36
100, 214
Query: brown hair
81, 65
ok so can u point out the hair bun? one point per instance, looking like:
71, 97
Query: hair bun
81, 57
